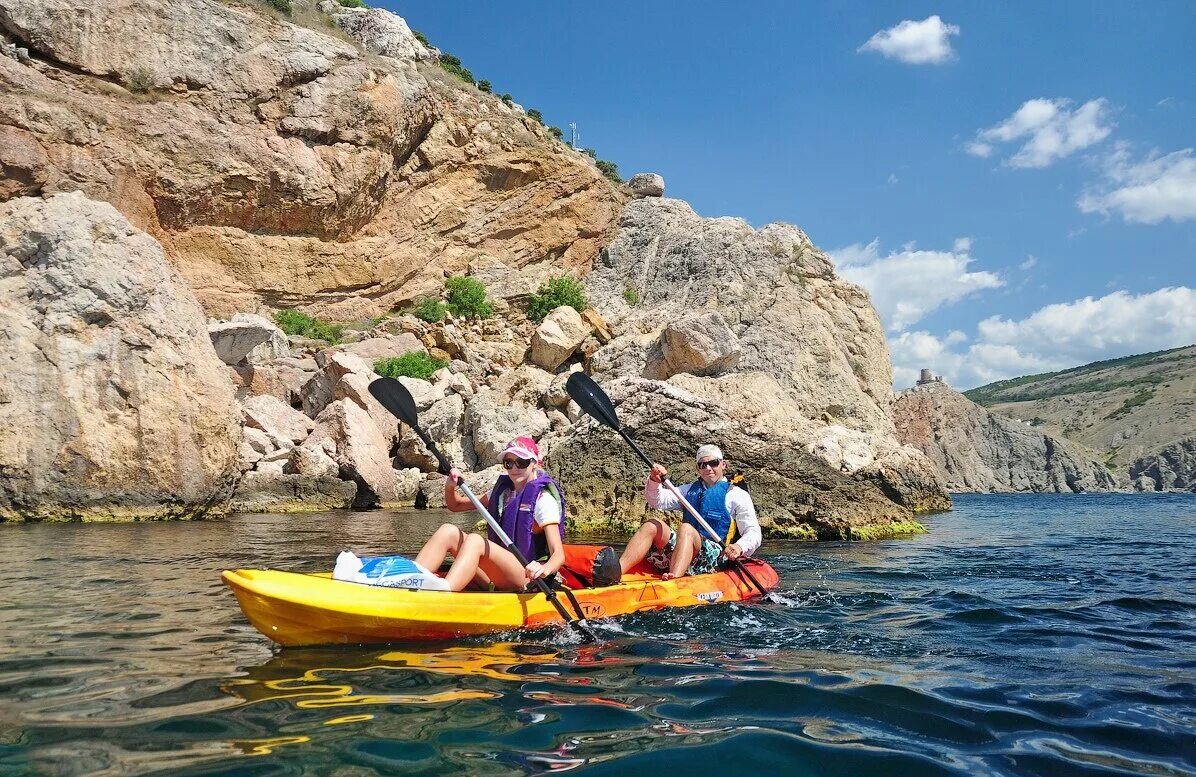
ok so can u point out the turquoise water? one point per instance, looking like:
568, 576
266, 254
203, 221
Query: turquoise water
1024, 635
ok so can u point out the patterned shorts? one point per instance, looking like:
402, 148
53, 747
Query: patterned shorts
705, 560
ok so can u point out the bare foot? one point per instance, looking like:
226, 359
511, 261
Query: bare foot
667, 576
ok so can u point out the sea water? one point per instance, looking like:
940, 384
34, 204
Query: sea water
1045, 635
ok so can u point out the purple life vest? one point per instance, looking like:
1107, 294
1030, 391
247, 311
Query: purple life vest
517, 516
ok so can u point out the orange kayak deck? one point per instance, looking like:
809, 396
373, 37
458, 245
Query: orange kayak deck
296, 609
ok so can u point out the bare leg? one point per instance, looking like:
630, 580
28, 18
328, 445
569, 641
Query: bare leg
478, 557
465, 562
652, 533
447, 539
687, 543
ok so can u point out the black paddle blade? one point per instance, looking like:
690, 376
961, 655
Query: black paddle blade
395, 397
590, 397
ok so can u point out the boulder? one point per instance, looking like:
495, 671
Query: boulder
646, 185
557, 337
345, 431
276, 418
699, 344
113, 403
272, 492
254, 380
380, 31
556, 395
332, 365
431, 487
277, 347
525, 383
313, 462
495, 423
445, 424
235, 340
386, 347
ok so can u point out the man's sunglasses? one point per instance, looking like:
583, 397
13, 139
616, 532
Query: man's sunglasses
710, 463
516, 463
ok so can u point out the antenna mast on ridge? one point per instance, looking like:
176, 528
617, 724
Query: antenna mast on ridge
573, 130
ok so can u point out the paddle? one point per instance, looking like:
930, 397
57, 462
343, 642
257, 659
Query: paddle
395, 397
594, 402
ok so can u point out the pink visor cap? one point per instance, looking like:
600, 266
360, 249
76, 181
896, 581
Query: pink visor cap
523, 448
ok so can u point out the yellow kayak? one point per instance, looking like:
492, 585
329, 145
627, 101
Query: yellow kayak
313, 609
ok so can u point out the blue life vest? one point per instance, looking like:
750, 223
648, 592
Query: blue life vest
711, 504
517, 516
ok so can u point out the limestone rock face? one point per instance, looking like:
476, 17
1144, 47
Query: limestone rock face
978, 451
646, 185
112, 400
756, 330
381, 32
558, 336
700, 344
272, 492
1171, 469
283, 166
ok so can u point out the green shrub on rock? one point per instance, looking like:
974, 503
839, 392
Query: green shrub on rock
283, 6
351, 3
536, 115
295, 323
485, 86
507, 98
610, 170
467, 297
562, 290
430, 309
452, 64
413, 364
556, 132
631, 296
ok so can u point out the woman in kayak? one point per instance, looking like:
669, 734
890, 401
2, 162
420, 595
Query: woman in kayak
530, 507
690, 550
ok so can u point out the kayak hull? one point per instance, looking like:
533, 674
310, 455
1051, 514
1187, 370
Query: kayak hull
313, 609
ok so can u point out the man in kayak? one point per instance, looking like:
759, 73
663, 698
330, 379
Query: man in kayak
530, 507
690, 550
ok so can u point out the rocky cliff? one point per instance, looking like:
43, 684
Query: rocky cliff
287, 166
1128, 409
1172, 468
978, 451
112, 401
335, 168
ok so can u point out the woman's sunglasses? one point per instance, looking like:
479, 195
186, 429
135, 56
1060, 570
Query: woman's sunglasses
516, 463
709, 464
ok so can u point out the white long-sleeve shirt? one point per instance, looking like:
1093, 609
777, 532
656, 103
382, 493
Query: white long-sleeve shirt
739, 505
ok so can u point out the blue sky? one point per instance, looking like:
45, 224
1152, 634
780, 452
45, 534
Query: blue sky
1015, 182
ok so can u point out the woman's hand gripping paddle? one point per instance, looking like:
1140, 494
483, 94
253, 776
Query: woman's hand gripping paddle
590, 397
395, 397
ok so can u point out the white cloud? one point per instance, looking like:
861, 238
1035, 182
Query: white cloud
963, 245
1148, 192
908, 285
917, 43
1030, 262
893, 178
1052, 338
1048, 131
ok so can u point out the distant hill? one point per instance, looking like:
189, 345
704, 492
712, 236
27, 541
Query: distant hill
1124, 408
